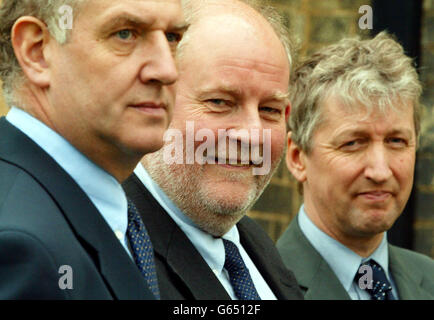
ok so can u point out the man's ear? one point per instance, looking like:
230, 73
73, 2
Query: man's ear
295, 160
287, 112
30, 38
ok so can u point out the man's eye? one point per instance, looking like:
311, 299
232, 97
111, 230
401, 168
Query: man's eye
124, 34
352, 145
218, 102
173, 37
397, 141
271, 110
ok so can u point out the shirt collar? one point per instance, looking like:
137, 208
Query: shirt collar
344, 262
210, 248
103, 189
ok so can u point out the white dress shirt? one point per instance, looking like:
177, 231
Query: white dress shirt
210, 248
103, 189
344, 262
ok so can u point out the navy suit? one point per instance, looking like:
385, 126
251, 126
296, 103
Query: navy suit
47, 221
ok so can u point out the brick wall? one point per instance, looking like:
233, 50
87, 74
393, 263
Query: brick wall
424, 200
319, 23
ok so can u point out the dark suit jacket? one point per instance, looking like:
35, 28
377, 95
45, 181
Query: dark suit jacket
412, 272
47, 221
181, 270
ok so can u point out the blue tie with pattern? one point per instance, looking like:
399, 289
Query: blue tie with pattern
381, 288
141, 246
239, 275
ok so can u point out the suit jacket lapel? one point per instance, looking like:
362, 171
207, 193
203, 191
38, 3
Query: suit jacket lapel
408, 280
313, 274
173, 246
189, 265
275, 275
325, 285
117, 268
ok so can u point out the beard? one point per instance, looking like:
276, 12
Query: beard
212, 209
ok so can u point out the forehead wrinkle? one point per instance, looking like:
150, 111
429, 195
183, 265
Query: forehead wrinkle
116, 13
254, 72
245, 63
363, 128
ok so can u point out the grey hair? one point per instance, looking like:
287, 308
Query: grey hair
10, 11
192, 9
372, 73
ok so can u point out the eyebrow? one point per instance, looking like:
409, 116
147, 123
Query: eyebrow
223, 89
280, 96
137, 21
406, 132
359, 133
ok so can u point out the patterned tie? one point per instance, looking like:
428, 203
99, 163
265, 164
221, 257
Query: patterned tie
141, 246
381, 288
239, 275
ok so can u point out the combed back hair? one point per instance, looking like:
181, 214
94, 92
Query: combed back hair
192, 9
10, 11
369, 74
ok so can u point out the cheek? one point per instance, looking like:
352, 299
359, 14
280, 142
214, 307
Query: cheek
278, 143
335, 174
403, 169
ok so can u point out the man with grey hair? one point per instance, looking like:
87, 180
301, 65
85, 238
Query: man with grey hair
352, 146
234, 74
86, 105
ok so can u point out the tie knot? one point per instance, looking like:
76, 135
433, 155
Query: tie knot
133, 214
372, 278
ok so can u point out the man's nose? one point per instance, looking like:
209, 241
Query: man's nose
378, 167
249, 126
160, 67
246, 136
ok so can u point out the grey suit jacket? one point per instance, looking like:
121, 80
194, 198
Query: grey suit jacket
412, 272
181, 270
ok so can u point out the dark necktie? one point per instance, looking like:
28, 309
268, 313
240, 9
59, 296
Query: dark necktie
380, 288
141, 245
239, 275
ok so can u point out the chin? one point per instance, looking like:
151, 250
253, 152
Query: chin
229, 202
150, 144
373, 221
376, 226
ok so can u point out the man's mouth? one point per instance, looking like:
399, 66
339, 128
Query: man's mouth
149, 107
376, 195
